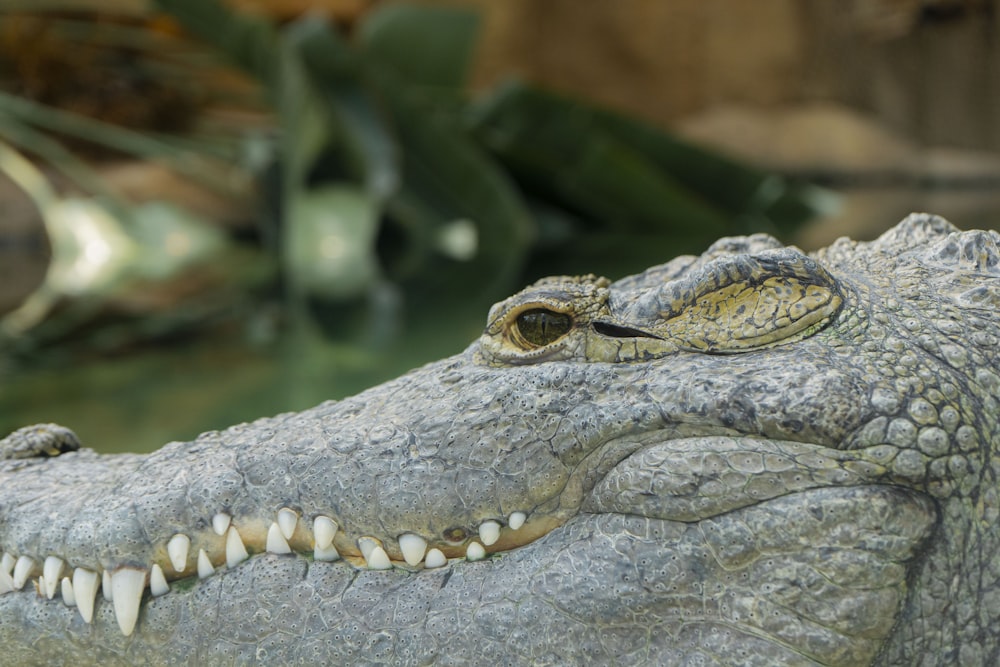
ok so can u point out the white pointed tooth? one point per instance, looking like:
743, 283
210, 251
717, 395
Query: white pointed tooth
324, 530
40, 585
7, 562
85, 589
516, 520
158, 581
330, 553
126, 585
475, 551
52, 571
287, 520
220, 522
435, 558
378, 559
205, 568
489, 532
413, 547
276, 542
177, 550
107, 592
367, 545
68, 594
6, 582
22, 570
236, 552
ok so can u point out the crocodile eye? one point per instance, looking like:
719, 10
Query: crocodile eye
538, 327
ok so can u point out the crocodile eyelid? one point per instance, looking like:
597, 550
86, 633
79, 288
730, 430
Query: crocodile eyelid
745, 302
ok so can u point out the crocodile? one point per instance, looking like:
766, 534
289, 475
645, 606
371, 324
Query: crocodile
756, 456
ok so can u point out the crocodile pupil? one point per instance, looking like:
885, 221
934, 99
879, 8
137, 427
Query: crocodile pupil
540, 327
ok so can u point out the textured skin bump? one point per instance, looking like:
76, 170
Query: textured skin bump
38, 440
808, 480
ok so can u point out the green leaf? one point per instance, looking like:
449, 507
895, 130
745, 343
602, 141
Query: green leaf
330, 242
739, 189
249, 41
428, 46
170, 239
730, 185
354, 119
563, 152
305, 122
449, 182
28, 139
328, 232
28, 114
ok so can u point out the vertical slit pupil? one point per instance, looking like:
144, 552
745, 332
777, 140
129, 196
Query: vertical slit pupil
540, 326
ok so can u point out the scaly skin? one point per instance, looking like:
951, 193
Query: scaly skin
748, 458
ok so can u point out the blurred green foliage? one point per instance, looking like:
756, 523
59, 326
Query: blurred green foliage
436, 191
385, 185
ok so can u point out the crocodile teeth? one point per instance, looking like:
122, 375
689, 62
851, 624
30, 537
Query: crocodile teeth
157, 581
177, 549
7, 562
205, 568
236, 552
489, 532
367, 545
378, 559
324, 530
475, 551
435, 558
22, 570
6, 582
68, 595
106, 591
220, 522
329, 553
287, 520
52, 571
127, 584
413, 548
276, 542
516, 520
85, 588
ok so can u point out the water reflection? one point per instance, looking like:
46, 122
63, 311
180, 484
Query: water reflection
138, 401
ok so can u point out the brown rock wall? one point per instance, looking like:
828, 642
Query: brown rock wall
929, 69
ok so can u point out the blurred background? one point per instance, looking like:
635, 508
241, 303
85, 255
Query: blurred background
216, 210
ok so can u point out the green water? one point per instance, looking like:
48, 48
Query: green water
138, 400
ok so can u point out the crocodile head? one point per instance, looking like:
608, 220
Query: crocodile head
749, 457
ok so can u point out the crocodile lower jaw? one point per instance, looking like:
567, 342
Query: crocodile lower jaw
771, 589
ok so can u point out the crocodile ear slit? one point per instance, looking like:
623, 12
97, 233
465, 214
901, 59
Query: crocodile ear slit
617, 331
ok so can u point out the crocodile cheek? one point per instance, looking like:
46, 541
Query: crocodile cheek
814, 577
693, 478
